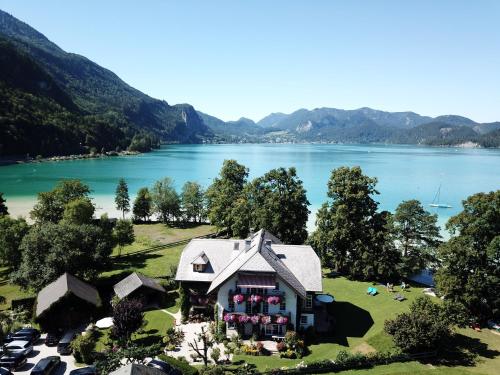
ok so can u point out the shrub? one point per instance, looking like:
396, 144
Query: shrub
83, 347
26, 303
180, 365
280, 346
288, 354
215, 354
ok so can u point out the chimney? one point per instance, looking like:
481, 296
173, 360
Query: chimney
236, 246
248, 243
268, 243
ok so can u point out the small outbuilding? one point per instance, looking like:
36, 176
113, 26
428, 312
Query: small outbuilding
65, 303
138, 286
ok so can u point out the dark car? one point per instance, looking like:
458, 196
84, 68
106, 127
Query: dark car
46, 365
64, 345
4, 371
52, 339
13, 361
90, 370
163, 366
25, 334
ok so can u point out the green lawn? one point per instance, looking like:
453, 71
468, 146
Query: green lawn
148, 235
360, 321
9, 291
157, 323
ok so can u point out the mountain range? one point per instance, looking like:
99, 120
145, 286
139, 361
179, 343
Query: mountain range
54, 103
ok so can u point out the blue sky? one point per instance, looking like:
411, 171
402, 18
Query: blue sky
250, 58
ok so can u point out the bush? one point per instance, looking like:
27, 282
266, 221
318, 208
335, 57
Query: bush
26, 303
280, 346
215, 354
288, 354
83, 347
181, 365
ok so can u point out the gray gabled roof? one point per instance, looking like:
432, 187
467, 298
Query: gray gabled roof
201, 259
262, 252
295, 264
133, 282
65, 284
137, 369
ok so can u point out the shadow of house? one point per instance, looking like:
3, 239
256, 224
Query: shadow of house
145, 289
350, 321
137, 369
66, 303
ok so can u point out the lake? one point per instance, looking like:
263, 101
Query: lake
403, 172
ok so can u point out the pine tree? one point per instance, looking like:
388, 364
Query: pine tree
3, 207
122, 198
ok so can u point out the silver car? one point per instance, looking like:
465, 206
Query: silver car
18, 346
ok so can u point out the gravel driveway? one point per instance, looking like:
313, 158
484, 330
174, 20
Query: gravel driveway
40, 350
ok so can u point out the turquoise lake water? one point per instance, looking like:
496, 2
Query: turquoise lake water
403, 172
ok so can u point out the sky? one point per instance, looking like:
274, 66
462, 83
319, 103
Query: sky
239, 58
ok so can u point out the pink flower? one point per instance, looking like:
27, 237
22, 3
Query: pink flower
254, 319
282, 320
266, 319
273, 300
255, 298
229, 318
238, 298
243, 318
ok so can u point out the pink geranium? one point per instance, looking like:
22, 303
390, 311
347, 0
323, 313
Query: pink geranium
243, 318
282, 320
255, 298
266, 319
255, 319
229, 318
273, 300
238, 298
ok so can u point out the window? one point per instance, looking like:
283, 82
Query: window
283, 305
231, 305
198, 267
308, 303
231, 325
303, 319
248, 307
275, 330
265, 308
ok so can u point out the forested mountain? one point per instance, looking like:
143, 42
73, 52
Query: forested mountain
54, 102
364, 125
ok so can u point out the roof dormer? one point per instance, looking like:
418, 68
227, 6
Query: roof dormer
200, 263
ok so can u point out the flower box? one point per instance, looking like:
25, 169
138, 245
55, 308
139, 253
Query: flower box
238, 298
274, 300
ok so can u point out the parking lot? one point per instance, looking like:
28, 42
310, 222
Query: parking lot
40, 350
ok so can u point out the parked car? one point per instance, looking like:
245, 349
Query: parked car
13, 361
19, 346
163, 366
89, 370
64, 345
4, 371
52, 339
46, 365
25, 334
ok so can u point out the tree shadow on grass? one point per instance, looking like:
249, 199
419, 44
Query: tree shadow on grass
148, 340
350, 321
465, 351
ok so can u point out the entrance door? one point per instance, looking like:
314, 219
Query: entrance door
248, 329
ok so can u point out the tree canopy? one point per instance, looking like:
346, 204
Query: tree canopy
223, 194
3, 206
193, 202
417, 236
166, 201
143, 205
12, 232
122, 199
469, 272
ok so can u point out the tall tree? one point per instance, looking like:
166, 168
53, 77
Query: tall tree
166, 201
48, 250
50, 205
346, 225
123, 234
122, 199
277, 201
79, 211
416, 235
224, 192
142, 209
12, 232
3, 206
127, 318
470, 261
193, 201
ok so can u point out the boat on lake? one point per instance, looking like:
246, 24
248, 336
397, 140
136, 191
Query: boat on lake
436, 201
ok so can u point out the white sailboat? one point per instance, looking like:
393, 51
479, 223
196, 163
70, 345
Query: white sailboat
435, 201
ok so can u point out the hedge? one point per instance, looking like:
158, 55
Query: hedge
182, 366
26, 303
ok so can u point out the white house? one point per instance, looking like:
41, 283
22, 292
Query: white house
257, 285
